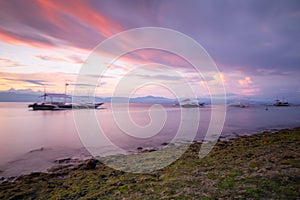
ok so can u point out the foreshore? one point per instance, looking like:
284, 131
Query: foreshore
265, 165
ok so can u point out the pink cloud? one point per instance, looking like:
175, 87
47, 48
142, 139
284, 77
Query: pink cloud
76, 59
82, 12
51, 58
69, 59
53, 82
5, 62
45, 24
250, 91
245, 82
35, 81
147, 56
11, 38
248, 87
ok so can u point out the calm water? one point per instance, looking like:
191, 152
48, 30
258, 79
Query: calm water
33, 140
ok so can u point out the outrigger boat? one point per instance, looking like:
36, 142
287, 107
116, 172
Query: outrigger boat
61, 105
239, 105
57, 105
281, 103
188, 103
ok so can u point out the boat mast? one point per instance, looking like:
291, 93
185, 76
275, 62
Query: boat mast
66, 85
44, 94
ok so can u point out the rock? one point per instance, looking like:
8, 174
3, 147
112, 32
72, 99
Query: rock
164, 143
223, 144
63, 160
290, 155
91, 163
148, 150
133, 181
139, 148
11, 179
248, 155
3, 181
58, 168
35, 174
40, 149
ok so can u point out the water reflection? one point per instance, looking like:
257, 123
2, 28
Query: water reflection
22, 130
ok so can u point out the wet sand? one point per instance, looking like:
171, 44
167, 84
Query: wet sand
265, 165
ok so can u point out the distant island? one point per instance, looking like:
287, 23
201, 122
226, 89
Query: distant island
13, 95
28, 95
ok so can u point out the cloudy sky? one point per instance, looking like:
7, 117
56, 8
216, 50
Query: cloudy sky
255, 44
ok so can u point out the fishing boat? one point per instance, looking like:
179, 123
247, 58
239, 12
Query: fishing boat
188, 103
61, 105
239, 105
281, 103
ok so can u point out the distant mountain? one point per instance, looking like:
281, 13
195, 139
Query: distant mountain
19, 96
152, 99
147, 99
13, 95
28, 95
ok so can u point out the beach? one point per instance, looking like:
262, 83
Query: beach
264, 165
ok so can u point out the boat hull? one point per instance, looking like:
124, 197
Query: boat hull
44, 106
190, 106
86, 106
36, 106
283, 104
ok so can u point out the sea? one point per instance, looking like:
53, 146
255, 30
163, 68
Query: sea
33, 141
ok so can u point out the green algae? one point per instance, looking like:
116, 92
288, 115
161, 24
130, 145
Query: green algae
252, 167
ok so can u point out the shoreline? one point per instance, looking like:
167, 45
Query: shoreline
11, 169
264, 165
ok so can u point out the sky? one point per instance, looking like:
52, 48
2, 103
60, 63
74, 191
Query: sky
255, 44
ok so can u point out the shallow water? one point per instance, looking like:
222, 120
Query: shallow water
33, 140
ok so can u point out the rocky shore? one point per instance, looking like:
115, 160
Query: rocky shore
262, 166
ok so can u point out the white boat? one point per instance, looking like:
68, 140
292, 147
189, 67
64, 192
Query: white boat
281, 103
188, 103
239, 105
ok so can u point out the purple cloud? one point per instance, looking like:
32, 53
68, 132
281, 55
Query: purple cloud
257, 38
